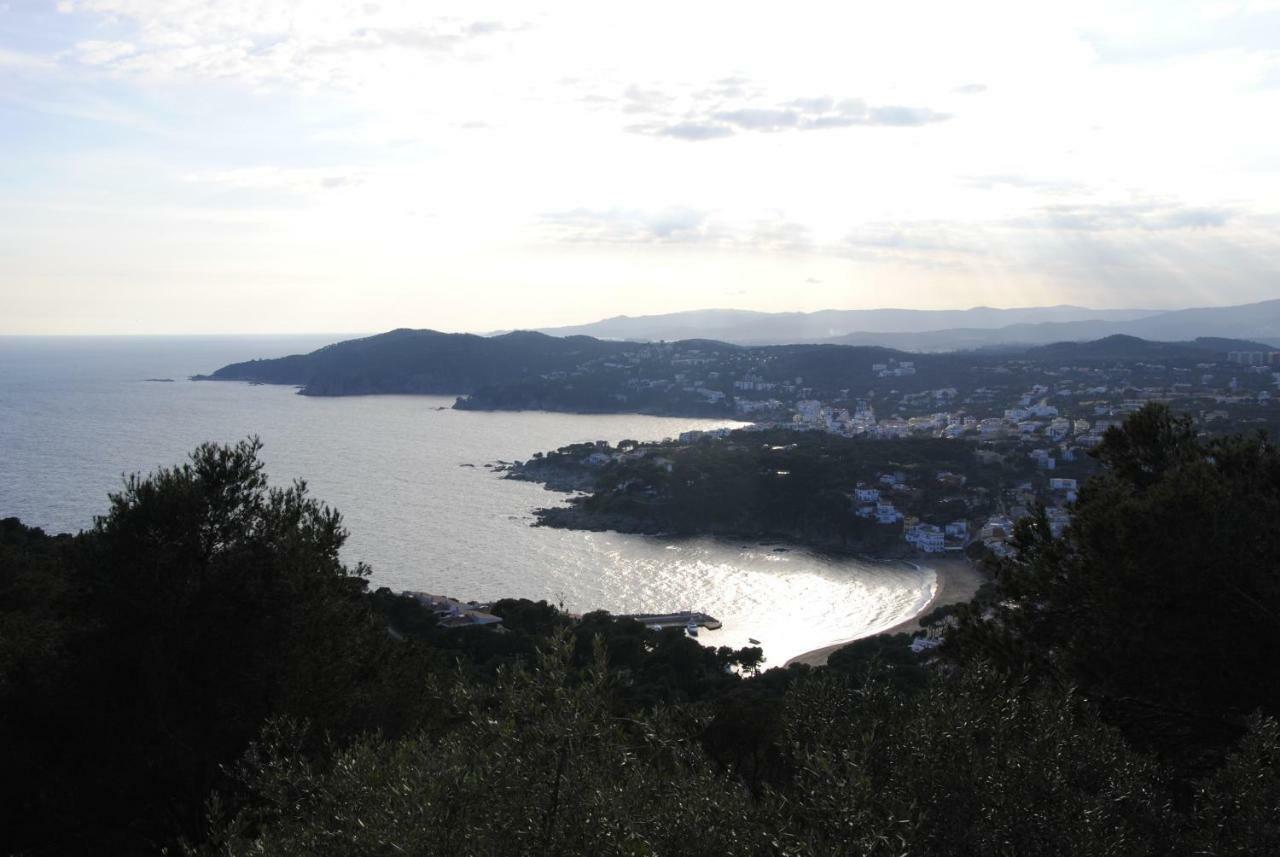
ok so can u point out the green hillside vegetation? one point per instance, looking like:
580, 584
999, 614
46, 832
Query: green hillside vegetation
420, 361
778, 483
199, 672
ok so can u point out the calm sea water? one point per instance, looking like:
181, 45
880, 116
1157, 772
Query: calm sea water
78, 414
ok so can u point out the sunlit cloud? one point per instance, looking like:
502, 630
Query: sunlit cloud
485, 165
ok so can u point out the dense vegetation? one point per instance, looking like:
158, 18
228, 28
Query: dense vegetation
776, 483
420, 361
199, 671
1161, 601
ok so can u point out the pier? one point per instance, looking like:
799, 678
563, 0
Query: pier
675, 620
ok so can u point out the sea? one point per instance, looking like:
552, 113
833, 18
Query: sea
409, 475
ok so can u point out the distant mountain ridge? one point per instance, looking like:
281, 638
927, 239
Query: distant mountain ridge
748, 327
942, 330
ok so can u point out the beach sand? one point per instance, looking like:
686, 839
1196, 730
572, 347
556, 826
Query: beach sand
958, 580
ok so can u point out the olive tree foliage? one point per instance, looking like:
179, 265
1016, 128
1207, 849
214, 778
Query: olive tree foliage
1238, 809
533, 764
971, 764
537, 764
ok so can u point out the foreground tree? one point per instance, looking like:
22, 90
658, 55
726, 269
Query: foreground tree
534, 764
1160, 601
200, 604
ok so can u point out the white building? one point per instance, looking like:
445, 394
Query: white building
926, 537
887, 514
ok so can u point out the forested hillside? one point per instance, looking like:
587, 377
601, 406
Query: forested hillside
420, 361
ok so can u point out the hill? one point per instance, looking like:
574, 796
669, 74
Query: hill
1123, 347
420, 361
694, 378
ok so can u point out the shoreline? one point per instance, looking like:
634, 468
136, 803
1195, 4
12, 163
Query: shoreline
957, 579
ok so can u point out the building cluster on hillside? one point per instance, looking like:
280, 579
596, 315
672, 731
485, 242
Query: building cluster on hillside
876, 502
999, 395
1042, 417
1254, 358
452, 613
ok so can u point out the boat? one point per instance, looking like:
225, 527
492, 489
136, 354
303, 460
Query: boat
753, 641
691, 629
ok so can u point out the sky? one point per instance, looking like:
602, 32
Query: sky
248, 166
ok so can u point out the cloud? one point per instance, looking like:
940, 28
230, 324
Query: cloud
25, 61
95, 52
272, 178
928, 244
1154, 36
691, 131
348, 46
639, 100
673, 225
970, 89
904, 117
759, 119
999, 181
1192, 218
1110, 217
628, 226
707, 116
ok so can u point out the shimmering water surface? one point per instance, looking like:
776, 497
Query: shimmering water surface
77, 414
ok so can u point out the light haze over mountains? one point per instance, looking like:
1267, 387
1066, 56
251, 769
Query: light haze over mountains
942, 330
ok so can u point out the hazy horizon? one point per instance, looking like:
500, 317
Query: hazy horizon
266, 333
190, 166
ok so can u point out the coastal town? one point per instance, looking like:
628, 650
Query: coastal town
1028, 426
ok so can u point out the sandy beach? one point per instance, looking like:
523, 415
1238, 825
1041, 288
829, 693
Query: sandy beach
958, 580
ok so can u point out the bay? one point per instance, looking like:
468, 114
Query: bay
408, 474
